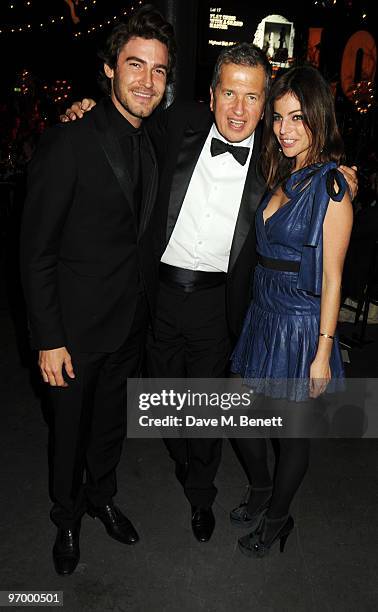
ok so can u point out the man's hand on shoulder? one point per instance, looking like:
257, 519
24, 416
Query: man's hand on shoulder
77, 110
51, 364
350, 175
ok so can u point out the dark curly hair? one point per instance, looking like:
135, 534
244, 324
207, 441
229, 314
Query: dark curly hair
146, 23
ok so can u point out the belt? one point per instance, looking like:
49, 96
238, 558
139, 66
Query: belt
190, 280
279, 264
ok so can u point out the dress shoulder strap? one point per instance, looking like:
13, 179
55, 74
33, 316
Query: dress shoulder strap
326, 183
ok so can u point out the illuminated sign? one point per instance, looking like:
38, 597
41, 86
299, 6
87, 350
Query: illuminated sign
361, 46
219, 21
227, 24
358, 68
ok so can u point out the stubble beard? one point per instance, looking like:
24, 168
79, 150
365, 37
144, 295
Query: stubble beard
136, 112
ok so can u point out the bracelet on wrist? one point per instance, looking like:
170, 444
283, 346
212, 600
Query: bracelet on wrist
327, 336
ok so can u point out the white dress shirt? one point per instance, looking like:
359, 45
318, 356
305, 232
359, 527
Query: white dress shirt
202, 236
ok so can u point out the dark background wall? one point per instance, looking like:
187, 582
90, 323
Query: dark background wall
53, 52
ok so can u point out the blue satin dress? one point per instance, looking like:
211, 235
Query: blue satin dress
280, 334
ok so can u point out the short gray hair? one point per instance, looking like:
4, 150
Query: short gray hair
245, 54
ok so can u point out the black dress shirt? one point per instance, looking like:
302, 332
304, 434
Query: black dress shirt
130, 139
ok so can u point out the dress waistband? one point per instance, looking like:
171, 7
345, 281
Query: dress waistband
279, 264
190, 280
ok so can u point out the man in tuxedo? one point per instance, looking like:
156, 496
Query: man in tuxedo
210, 187
89, 277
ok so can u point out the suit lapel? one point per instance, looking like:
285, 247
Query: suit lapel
113, 152
189, 152
254, 189
112, 149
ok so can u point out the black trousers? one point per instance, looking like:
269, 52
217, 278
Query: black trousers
191, 340
90, 425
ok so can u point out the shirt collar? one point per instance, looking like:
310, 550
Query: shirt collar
247, 142
122, 125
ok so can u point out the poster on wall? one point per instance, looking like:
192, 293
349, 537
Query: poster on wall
275, 35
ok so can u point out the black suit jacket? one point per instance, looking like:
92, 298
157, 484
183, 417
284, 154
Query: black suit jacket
83, 257
178, 135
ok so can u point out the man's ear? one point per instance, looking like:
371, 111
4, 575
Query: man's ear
211, 100
108, 71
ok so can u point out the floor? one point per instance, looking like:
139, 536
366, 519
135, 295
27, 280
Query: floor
330, 559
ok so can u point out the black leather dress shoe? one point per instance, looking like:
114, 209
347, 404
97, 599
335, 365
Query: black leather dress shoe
116, 524
203, 523
66, 551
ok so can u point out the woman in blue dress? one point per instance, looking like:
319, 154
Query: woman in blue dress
303, 227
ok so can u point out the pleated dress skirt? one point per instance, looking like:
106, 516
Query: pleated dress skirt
280, 337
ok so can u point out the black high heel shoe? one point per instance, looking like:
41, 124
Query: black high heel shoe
259, 542
240, 517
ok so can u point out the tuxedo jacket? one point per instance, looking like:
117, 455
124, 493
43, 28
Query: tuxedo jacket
178, 135
84, 256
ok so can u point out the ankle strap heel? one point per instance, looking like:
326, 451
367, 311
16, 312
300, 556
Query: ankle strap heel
258, 543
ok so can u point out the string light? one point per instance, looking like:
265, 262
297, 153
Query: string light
98, 26
58, 91
57, 20
324, 3
25, 84
363, 96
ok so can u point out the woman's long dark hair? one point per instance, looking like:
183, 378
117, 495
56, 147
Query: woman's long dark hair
317, 104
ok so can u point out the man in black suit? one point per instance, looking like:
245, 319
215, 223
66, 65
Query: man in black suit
209, 190
89, 275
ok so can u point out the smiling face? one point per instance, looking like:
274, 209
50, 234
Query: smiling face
238, 100
290, 129
139, 78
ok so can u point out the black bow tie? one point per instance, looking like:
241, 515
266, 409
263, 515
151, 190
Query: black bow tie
218, 147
